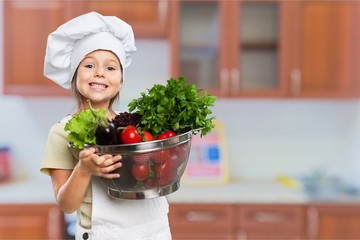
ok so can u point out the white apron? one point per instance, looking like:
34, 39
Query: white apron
116, 219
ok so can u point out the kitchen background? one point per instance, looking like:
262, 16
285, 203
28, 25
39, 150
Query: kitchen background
265, 137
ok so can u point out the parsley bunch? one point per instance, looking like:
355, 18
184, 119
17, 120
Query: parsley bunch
177, 106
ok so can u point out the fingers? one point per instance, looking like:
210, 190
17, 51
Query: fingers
87, 152
108, 171
102, 166
106, 160
110, 175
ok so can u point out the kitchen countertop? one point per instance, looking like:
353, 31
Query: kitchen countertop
250, 191
239, 191
236, 191
29, 190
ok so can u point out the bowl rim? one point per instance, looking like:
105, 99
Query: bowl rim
142, 147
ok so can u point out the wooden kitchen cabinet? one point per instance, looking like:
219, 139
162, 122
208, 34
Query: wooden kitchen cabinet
202, 221
147, 18
325, 42
266, 48
333, 221
26, 27
31, 221
28, 23
270, 221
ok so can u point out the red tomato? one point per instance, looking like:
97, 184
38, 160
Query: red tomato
140, 171
130, 135
167, 134
166, 169
147, 137
150, 182
165, 181
142, 157
161, 156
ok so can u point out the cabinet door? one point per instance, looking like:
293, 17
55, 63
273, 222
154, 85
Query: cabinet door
147, 18
31, 222
258, 48
337, 222
26, 27
325, 41
197, 40
230, 48
270, 222
201, 221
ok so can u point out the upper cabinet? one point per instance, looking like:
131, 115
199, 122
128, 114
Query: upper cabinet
324, 50
147, 18
266, 48
28, 23
26, 27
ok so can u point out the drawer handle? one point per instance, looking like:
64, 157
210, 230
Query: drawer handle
265, 217
224, 81
200, 216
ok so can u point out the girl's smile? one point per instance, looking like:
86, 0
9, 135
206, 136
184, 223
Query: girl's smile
98, 86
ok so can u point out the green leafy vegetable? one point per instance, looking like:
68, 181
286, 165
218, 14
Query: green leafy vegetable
82, 127
177, 106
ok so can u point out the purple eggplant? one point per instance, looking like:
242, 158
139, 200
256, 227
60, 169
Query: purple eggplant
107, 135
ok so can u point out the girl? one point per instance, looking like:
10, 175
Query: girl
89, 54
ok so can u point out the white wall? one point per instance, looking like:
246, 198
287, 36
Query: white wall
265, 137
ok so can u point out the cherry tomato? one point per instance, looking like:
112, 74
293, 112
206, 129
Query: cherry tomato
140, 171
142, 157
161, 156
149, 182
130, 135
147, 137
179, 154
166, 169
167, 134
166, 180
165, 173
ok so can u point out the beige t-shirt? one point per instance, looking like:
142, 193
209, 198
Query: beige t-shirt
58, 156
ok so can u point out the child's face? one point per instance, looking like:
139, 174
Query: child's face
99, 77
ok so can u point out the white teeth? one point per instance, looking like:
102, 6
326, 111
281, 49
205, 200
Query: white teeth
95, 85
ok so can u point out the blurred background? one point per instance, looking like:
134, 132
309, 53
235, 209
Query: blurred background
287, 80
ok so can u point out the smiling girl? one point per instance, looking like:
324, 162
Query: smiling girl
89, 54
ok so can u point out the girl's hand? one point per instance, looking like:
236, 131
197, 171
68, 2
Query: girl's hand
92, 164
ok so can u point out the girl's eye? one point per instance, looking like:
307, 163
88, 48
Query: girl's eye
89, 66
110, 68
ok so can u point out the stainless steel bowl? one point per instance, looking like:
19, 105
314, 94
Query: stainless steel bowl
166, 159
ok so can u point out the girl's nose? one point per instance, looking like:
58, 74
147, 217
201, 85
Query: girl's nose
100, 73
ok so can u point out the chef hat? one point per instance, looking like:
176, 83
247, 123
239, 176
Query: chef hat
72, 41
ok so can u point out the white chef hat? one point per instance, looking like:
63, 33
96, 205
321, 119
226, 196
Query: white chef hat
72, 41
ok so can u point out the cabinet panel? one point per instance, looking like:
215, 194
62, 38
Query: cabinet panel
147, 18
326, 41
271, 221
31, 222
197, 55
258, 46
337, 222
202, 221
26, 27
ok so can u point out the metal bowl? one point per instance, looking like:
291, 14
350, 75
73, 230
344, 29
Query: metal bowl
166, 159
